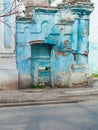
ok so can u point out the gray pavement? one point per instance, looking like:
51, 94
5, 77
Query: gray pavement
47, 96
77, 116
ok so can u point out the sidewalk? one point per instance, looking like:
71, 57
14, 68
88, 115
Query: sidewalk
47, 96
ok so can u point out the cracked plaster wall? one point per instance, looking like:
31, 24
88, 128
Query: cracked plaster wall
68, 35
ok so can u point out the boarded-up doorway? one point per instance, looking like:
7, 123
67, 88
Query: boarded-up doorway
40, 64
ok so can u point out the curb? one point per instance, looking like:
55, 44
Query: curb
38, 103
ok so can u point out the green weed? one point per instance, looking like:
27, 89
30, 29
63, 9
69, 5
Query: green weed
95, 75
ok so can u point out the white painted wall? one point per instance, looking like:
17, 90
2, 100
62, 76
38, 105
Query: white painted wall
93, 46
94, 23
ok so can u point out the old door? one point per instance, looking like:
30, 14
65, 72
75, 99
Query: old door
40, 63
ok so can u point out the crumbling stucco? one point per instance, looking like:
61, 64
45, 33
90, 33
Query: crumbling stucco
67, 39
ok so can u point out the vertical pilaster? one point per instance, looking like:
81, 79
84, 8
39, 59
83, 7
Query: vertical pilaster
83, 39
81, 76
68, 35
75, 33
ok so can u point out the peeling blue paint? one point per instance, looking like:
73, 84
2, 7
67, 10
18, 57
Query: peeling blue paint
49, 42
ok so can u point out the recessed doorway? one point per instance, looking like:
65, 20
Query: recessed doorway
40, 63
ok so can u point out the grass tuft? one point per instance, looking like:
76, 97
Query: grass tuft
95, 75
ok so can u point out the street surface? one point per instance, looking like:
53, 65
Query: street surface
76, 116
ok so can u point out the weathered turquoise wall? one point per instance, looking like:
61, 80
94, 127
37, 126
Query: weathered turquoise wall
65, 31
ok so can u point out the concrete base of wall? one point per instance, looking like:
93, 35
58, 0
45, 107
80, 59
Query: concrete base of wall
73, 79
66, 80
81, 80
8, 79
24, 81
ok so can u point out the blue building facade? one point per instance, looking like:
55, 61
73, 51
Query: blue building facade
45, 45
52, 45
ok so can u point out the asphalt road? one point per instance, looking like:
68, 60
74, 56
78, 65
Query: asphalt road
77, 116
